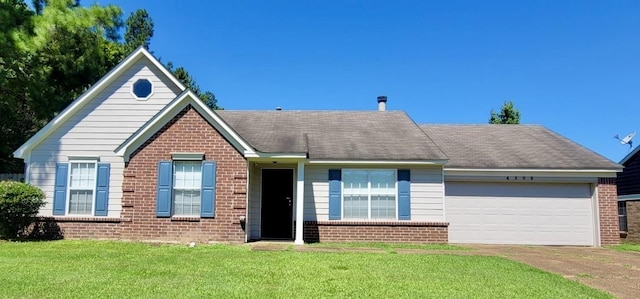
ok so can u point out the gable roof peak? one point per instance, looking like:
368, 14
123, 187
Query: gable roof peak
23, 151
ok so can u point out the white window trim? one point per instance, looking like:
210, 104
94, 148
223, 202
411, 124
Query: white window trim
153, 87
93, 188
174, 188
368, 193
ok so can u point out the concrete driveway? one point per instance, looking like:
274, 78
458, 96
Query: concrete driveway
617, 273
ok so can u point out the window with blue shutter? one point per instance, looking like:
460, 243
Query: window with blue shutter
186, 188
60, 189
369, 194
208, 193
102, 189
82, 188
404, 194
335, 194
165, 182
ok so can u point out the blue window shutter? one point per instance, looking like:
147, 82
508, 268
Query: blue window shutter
208, 194
165, 183
335, 194
404, 194
102, 189
60, 189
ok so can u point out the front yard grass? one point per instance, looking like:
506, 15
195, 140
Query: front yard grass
390, 247
98, 269
626, 247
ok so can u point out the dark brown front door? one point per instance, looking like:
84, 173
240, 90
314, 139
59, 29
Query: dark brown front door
277, 204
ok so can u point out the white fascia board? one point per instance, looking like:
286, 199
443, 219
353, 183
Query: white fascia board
170, 112
378, 162
602, 173
89, 95
259, 157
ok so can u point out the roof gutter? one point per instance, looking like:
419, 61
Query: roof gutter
531, 171
379, 162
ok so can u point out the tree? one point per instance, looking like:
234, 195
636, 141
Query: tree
508, 115
51, 54
183, 76
139, 30
48, 57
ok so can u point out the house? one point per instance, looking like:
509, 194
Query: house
139, 157
629, 196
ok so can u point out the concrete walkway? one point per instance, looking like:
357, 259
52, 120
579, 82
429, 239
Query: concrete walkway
617, 273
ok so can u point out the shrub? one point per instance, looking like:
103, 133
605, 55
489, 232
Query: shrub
19, 204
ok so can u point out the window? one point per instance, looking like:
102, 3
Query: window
186, 187
369, 194
622, 215
81, 187
142, 89
187, 184
82, 183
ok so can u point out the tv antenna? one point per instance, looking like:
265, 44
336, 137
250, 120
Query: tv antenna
626, 139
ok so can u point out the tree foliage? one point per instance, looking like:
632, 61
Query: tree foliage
51, 54
206, 96
139, 30
508, 115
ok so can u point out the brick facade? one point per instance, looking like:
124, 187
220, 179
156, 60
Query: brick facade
608, 211
633, 221
369, 231
187, 132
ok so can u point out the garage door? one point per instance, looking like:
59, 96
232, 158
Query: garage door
519, 213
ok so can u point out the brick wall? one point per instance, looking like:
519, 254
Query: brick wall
187, 132
53, 228
608, 207
368, 231
633, 221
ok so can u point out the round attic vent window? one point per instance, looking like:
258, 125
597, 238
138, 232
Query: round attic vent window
142, 89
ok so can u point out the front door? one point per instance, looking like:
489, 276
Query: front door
277, 204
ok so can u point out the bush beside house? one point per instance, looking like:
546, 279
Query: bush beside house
19, 204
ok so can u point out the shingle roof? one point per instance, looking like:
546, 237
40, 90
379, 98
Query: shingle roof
513, 146
335, 135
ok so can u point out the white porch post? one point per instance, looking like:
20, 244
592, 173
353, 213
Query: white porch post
300, 204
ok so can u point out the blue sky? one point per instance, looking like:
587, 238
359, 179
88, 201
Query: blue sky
571, 66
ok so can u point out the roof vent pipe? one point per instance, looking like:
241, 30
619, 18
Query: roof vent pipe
382, 103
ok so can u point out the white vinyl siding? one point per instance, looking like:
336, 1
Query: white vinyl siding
427, 192
187, 183
520, 213
98, 128
255, 202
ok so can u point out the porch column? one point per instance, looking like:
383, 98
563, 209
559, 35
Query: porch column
300, 205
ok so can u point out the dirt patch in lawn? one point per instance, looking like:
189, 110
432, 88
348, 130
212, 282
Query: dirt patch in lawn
617, 273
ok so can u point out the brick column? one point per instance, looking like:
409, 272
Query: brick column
608, 207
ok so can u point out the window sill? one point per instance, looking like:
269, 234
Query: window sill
185, 219
83, 219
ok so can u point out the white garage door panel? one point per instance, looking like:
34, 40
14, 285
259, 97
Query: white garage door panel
519, 213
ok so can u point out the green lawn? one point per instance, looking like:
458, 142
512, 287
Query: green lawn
95, 269
626, 247
389, 246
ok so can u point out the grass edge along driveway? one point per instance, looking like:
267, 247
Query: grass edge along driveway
80, 269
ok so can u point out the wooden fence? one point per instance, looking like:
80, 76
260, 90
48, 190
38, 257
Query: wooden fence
12, 177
